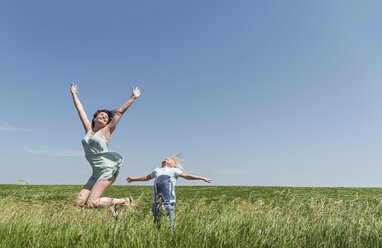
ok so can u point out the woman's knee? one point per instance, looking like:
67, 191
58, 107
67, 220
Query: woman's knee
83, 195
80, 201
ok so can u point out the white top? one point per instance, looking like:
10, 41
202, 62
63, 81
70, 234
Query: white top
165, 179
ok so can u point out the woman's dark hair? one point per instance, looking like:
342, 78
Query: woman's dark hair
110, 113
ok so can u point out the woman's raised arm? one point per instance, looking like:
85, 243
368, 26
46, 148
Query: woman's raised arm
111, 126
80, 109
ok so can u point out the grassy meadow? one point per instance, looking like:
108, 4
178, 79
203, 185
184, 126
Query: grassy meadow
211, 216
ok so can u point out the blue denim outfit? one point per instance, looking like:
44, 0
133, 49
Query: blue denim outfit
158, 211
164, 194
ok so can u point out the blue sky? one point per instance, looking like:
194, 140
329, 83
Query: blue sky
252, 92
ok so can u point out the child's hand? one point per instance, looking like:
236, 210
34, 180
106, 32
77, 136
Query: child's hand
207, 180
130, 179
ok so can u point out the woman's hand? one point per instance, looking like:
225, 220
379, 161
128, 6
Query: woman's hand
136, 93
73, 89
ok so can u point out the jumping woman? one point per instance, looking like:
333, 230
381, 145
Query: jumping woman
105, 164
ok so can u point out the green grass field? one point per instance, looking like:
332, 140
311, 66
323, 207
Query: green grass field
214, 216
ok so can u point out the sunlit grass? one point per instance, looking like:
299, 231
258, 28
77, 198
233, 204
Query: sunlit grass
43, 216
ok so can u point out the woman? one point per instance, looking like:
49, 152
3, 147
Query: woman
105, 164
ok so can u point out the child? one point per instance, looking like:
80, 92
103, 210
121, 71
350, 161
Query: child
164, 186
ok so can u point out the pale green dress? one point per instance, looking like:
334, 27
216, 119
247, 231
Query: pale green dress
105, 164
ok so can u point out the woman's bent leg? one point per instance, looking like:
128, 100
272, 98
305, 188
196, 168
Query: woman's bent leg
99, 187
83, 196
95, 199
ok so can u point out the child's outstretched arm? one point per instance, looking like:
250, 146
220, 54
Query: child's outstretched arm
192, 177
142, 178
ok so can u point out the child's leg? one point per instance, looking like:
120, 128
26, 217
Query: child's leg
156, 212
170, 207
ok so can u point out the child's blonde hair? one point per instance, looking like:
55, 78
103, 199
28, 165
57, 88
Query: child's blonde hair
178, 159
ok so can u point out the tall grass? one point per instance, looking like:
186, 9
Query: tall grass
279, 217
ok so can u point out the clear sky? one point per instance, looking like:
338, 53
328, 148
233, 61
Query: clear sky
252, 92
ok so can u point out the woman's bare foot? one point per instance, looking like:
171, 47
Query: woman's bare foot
128, 202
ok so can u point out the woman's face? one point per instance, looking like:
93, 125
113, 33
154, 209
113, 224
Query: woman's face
168, 161
102, 118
